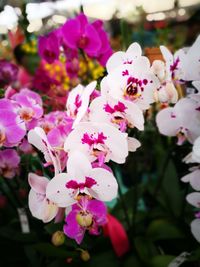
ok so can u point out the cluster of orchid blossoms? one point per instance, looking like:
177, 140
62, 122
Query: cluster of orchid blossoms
183, 119
93, 131
79, 143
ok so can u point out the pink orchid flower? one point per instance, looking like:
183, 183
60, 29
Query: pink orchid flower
40, 206
29, 106
38, 138
133, 82
121, 114
87, 215
133, 52
177, 121
81, 178
10, 123
78, 101
9, 163
98, 141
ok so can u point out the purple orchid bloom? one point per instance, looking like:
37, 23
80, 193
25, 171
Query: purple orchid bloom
9, 163
87, 214
79, 33
49, 47
8, 72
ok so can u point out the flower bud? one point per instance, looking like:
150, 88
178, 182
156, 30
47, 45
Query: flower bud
85, 256
84, 219
58, 238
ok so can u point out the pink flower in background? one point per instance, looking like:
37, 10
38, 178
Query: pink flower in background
9, 163
98, 141
105, 50
132, 82
177, 121
81, 178
10, 123
8, 72
87, 215
29, 107
49, 47
79, 33
121, 114
119, 58
38, 138
40, 206
78, 101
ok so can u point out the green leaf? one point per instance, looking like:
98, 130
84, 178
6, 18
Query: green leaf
132, 261
145, 248
105, 259
170, 194
162, 229
161, 261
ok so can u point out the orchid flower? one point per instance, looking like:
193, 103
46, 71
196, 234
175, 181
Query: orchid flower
87, 214
193, 178
192, 60
166, 92
29, 106
121, 114
78, 101
133, 52
174, 64
9, 163
79, 33
64, 189
132, 82
98, 141
38, 138
40, 206
177, 121
10, 123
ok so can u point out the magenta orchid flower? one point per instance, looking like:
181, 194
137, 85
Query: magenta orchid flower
40, 206
10, 123
133, 52
9, 163
81, 178
79, 33
177, 121
121, 114
87, 215
98, 141
48, 47
133, 82
78, 101
38, 138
